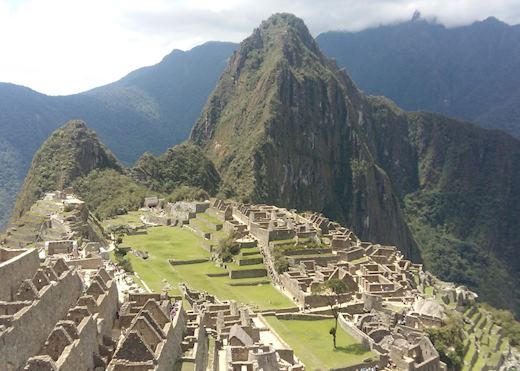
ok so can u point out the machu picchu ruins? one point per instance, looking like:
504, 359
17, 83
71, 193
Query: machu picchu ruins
68, 302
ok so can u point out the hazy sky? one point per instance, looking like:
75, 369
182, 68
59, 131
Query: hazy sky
68, 46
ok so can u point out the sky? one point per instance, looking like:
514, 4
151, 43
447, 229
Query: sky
61, 47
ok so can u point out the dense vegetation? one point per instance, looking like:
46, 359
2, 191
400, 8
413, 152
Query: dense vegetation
70, 152
449, 342
184, 164
505, 319
74, 157
109, 193
469, 72
227, 249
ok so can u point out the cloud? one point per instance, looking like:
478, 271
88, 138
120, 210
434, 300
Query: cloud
66, 46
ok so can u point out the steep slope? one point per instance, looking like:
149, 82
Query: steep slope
182, 165
281, 129
70, 152
460, 191
469, 72
286, 126
151, 109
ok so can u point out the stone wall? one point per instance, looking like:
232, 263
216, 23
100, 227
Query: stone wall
108, 307
191, 261
303, 316
307, 252
60, 247
359, 335
261, 234
87, 263
248, 273
318, 260
202, 348
16, 266
31, 325
80, 354
172, 347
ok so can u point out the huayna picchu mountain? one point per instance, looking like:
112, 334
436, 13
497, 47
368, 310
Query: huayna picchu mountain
69, 153
286, 126
74, 157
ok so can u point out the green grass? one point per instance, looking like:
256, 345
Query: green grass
131, 218
312, 343
209, 218
163, 243
201, 225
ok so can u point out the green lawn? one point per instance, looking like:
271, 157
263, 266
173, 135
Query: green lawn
131, 218
209, 218
201, 225
312, 343
163, 243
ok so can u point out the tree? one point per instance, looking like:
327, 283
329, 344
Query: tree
332, 289
227, 248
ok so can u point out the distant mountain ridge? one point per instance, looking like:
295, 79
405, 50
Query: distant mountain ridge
469, 72
151, 109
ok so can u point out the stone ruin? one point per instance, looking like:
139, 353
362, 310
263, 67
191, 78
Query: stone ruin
54, 317
167, 213
237, 336
51, 321
152, 329
380, 281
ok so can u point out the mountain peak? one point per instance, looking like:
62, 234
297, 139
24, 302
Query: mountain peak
282, 32
75, 125
284, 20
70, 152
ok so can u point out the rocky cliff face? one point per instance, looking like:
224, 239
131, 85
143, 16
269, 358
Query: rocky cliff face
286, 126
283, 128
69, 153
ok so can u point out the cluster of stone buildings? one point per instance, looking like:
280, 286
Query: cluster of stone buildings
52, 318
384, 288
159, 212
65, 306
242, 343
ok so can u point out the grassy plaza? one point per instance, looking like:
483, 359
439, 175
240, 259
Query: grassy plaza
164, 243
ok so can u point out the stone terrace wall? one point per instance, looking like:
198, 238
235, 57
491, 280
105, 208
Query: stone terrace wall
16, 266
172, 347
248, 273
31, 325
79, 355
107, 309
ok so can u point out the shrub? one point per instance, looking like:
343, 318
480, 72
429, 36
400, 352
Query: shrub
187, 193
227, 248
449, 342
281, 264
124, 263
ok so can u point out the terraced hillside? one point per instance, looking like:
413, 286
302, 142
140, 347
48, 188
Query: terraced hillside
188, 248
